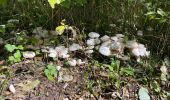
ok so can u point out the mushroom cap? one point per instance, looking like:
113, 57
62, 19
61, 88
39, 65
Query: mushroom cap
93, 35
105, 38
75, 47
89, 51
91, 42
72, 62
28, 54
104, 50
132, 44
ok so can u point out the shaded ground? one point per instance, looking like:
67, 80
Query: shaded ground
76, 89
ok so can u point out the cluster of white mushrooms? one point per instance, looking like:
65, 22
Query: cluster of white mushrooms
115, 45
63, 52
105, 45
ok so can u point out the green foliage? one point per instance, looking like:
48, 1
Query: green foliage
51, 72
66, 3
11, 48
127, 71
15, 51
155, 86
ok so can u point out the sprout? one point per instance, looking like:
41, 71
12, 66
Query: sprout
105, 51
28, 54
93, 35
75, 47
105, 38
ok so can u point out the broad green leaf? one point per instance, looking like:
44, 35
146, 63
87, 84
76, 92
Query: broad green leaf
52, 3
111, 68
20, 47
11, 58
17, 54
59, 1
143, 94
60, 29
10, 47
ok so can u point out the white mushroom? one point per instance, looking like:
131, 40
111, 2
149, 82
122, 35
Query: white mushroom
114, 38
93, 35
91, 42
89, 51
117, 46
75, 47
119, 35
52, 53
62, 52
58, 67
80, 62
12, 88
28, 54
105, 38
97, 41
106, 43
105, 51
132, 44
72, 62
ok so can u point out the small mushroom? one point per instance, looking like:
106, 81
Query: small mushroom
93, 35
72, 62
105, 38
91, 42
28, 54
75, 47
105, 51
12, 88
89, 51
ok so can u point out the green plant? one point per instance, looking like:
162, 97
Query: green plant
66, 3
51, 72
15, 51
127, 71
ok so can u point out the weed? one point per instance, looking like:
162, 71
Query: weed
51, 72
15, 52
